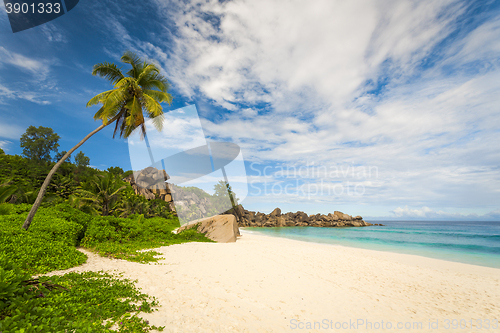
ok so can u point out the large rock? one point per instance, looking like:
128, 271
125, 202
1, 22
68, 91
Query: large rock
220, 228
276, 212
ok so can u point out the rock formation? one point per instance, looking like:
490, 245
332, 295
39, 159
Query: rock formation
299, 219
195, 203
151, 183
220, 228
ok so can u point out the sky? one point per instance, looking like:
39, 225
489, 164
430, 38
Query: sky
384, 109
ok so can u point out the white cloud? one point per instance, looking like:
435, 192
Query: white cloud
428, 213
52, 33
4, 144
10, 131
37, 88
431, 130
31, 96
37, 67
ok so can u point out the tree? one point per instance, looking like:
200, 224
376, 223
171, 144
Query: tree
117, 171
223, 196
39, 143
134, 96
102, 192
81, 160
60, 155
2, 152
224, 190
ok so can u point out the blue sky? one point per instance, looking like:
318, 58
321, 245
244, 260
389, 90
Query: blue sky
386, 109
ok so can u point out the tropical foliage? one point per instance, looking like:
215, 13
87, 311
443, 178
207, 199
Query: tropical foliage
134, 96
101, 193
140, 92
39, 143
81, 160
81, 302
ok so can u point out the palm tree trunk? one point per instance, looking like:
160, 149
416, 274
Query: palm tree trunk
149, 149
46, 183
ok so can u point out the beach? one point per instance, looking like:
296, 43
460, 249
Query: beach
270, 284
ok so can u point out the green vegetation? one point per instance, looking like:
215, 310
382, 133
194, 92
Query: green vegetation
86, 302
86, 208
123, 237
221, 201
102, 192
61, 155
133, 97
81, 160
39, 143
74, 301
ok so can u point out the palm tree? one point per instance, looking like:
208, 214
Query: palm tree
6, 191
102, 192
140, 92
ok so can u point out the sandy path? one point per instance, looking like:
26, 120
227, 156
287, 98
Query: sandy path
264, 284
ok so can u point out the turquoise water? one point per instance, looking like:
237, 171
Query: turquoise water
476, 243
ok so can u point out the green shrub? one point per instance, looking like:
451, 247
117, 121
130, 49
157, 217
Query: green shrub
6, 209
48, 245
21, 208
124, 237
68, 213
75, 302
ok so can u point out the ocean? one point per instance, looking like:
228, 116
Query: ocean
471, 242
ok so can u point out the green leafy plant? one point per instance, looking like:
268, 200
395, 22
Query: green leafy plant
123, 237
6, 191
102, 192
74, 302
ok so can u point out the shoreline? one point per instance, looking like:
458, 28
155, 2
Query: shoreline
448, 254
401, 258
271, 284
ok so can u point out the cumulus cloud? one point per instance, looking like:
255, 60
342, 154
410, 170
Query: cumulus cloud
399, 85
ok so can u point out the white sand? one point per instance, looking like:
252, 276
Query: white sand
265, 284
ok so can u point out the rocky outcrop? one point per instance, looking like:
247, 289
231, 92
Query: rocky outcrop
151, 183
220, 228
248, 218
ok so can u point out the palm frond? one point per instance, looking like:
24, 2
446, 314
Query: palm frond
99, 113
155, 80
158, 122
133, 59
6, 192
147, 71
113, 104
125, 82
98, 98
158, 96
154, 111
108, 70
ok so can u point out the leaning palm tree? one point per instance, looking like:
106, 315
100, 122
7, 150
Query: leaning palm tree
137, 94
